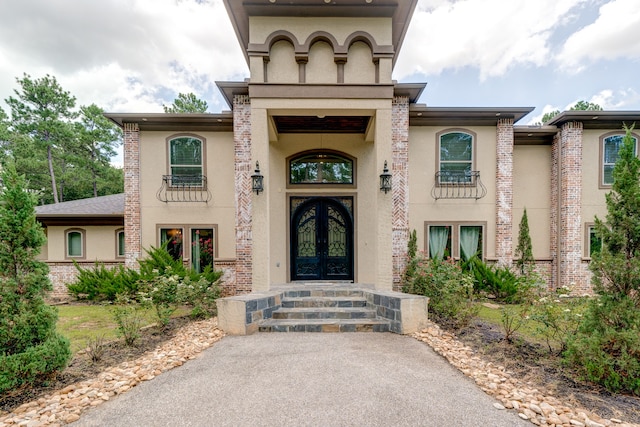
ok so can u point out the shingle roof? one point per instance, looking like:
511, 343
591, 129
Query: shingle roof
112, 205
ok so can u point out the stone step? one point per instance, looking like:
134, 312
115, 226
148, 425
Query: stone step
320, 292
324, 313
324, 325
307, 302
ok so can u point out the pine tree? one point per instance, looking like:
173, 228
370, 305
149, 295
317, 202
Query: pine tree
31, 348
186, 103
524, 250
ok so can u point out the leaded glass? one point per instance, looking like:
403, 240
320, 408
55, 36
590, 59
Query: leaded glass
321, 168
456, 156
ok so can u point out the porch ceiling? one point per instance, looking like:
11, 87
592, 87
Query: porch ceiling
327, 124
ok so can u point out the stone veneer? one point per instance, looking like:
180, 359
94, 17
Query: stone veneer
132, 230
504, 192
400, 186
243, 171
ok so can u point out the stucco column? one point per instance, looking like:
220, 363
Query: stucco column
384, 201
570, 205
504, 192
132, 226
261, 223
243, 171
400, 189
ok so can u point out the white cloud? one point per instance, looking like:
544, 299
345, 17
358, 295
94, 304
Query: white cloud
614, 34
124, 55
491, 35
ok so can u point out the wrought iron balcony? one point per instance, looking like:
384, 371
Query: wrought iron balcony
184, 188
458, 185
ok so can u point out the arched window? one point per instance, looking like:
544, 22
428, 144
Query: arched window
455, 157
74, 243
321, 167
186, 160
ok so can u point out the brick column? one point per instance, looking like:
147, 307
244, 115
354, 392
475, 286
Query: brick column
504, 192
570, 202
554, 232
400, 186
243, 171
132, 231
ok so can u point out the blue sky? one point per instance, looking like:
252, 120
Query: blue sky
136, 55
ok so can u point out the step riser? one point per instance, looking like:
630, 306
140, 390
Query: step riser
324, 293
324, 303
325, 328
368, 314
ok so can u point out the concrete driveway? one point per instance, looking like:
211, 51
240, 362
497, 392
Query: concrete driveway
297, 379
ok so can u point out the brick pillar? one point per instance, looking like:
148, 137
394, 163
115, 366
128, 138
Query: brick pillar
243, 171
570, 202
554, 232
504, 192
132, 231
400, 186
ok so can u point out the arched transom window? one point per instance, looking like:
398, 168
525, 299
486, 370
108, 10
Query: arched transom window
321, 167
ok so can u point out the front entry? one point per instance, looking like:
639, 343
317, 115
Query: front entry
321, 238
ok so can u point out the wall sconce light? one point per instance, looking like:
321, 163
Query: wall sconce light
385, 179
256, 180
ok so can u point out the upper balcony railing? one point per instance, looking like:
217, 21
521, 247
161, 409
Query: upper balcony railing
184, 188
458, 185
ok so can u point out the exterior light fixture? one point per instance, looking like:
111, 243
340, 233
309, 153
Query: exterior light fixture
385, 179
256, 180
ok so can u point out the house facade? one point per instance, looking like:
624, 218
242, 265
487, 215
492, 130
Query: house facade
324, 165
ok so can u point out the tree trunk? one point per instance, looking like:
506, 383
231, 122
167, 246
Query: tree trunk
54, 187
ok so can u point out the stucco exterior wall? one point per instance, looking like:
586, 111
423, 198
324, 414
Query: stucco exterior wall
423, 164
359, 67
219, 169
99, 243
532, 190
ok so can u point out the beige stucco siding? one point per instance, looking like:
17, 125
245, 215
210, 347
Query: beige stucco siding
282, 67
593, 197
321, 67
99, 242
219, 170
359, 67
423, 163
532, 190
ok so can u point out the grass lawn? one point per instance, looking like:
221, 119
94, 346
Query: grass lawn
494, 315
82, 322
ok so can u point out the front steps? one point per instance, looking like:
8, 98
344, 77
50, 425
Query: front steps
328, 310
322, 307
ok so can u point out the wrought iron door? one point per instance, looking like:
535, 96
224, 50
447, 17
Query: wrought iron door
321, 241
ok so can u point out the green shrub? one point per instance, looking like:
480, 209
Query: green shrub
449, 289
200, 295
557, 319
30, 347
162, 293
34, 363
606, 349
102, 283
129, 318
499, 281
513, 318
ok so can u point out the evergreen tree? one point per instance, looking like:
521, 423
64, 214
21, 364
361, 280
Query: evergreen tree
43, 112
186, 103
616, 269
524, 250
31, 348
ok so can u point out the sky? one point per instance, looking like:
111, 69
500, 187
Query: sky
136, 55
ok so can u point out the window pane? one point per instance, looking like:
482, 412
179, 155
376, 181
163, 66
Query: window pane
120, 243
74, 243
173, 238
612, 145
595, 243
440, 241
607, 177
202, 245
470, 241
456, 146
455, 172
321, 168
186, 151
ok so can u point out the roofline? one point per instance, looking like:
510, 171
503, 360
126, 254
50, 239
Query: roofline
596, 119
178, 121
412, 90
421, 115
